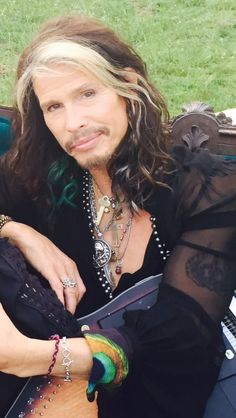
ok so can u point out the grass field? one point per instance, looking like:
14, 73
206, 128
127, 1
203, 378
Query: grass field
189, 45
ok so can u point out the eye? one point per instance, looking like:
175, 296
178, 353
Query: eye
53, 107
88, 93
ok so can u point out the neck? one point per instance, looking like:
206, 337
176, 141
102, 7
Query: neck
102, 180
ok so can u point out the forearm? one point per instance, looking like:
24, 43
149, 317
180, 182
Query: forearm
37, 357
46, 258
95, 358
100, 359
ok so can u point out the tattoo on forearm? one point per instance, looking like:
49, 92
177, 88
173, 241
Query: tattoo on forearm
213, 273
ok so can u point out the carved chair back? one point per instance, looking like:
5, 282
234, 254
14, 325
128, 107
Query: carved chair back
199, 127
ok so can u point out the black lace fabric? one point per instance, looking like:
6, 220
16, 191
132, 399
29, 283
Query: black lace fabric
34, 309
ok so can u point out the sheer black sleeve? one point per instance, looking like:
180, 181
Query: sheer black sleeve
203, 261
177, 346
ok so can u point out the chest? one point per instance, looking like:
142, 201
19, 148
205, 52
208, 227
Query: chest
144, 256
130, 245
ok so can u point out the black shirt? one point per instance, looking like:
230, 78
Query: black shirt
177, 347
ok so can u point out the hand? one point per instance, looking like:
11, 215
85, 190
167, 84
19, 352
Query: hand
48, 260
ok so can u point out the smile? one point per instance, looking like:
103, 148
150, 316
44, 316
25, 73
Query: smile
85, 143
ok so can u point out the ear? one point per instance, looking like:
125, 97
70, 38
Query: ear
131, 75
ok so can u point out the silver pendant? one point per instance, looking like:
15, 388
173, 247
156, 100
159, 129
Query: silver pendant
102, 254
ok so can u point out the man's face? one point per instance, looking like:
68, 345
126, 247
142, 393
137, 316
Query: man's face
88, 119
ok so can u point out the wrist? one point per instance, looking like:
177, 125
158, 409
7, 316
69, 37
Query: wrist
13, 231
4, 220
81, 357
15, 355
36, 358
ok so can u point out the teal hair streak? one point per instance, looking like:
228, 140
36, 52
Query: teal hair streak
62, 183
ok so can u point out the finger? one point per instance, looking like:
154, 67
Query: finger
62, 270
57, 286
71, 299
81, 289
73, 274
73, 295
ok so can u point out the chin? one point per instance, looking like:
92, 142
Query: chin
96, 161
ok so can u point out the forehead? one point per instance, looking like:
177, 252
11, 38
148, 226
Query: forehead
62, 77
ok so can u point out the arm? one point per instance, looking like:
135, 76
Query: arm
39, 251
48, 260
95, 358
25, 356
203, 262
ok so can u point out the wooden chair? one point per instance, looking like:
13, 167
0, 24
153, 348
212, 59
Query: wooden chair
199, 127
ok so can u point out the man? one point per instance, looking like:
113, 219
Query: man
90, 171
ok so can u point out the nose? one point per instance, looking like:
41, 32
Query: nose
74, 119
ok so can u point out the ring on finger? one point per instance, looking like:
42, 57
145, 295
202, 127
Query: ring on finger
68, 282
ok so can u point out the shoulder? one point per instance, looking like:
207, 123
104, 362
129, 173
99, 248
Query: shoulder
202, 180
205, 164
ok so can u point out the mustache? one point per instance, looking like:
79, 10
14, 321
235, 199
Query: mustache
83, 133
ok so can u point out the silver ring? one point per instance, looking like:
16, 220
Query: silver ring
68, 282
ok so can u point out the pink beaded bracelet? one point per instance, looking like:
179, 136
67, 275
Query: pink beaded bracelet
54, 355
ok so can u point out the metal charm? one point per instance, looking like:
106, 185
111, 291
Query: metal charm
102, 253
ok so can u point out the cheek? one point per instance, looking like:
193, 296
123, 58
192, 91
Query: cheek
122, 120
48, 123
120, 117
56, 129
53, 125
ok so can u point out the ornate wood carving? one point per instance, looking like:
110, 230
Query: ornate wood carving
199, 127
195, 138
198, 107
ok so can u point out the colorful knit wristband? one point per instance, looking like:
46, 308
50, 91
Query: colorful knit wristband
110, 364
55, 352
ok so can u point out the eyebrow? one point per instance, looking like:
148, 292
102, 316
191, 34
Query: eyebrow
45, 104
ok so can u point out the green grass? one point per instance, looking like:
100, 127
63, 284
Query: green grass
189, 45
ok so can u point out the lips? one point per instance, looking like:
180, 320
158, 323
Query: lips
85, 142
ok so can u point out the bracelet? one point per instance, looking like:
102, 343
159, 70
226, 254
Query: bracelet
55, 352
110, 361
3, 220
66, 362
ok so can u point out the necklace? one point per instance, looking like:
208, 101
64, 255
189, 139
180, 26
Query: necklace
119, 258
104, 275
105, 252
105, 202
